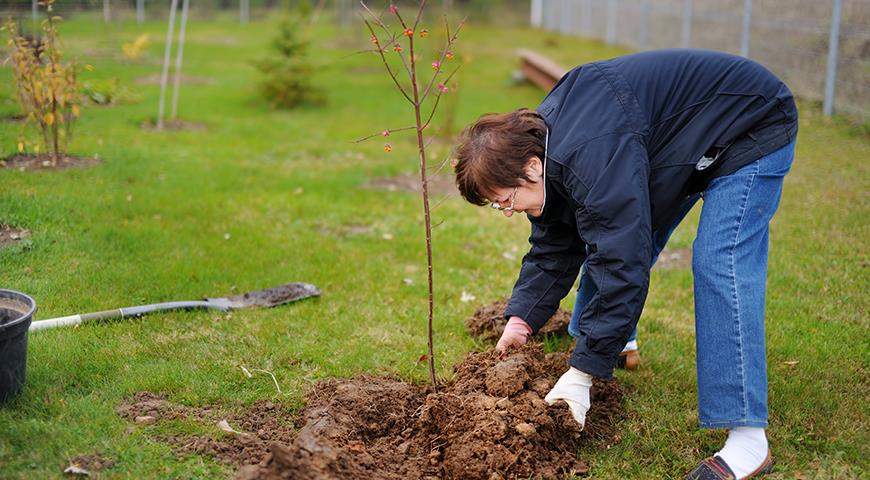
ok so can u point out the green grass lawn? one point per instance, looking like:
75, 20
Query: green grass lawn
265, 197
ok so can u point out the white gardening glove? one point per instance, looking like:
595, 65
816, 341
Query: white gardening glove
573, 387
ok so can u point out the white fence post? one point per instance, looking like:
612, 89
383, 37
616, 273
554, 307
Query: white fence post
587, 17
537, 13
179, 58
833, 47
644, 24
107, 13
565, 17
610, 35
35, 8
747, 21
687, 23
164, 77
244, 11
140, 11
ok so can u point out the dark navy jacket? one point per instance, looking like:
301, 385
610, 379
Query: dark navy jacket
625, 136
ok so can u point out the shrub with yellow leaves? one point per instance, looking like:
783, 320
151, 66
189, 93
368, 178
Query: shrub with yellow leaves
46, 87
133, 50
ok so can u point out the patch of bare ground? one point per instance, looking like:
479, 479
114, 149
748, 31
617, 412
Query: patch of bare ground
175, 126
25, 162
10, 235
185, 79
438, 184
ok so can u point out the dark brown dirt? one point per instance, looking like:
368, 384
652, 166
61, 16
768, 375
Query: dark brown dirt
10, 235
438, 184
490, 422
44, 162
260, 425
678, 258
488, 322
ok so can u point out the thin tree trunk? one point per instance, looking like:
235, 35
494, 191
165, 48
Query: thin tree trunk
179, 59
164, 78
421, 146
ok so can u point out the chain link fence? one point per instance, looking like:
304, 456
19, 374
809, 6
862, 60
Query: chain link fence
820, 48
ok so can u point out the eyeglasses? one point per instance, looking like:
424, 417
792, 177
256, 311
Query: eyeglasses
512, 198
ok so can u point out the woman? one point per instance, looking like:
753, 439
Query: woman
605, 169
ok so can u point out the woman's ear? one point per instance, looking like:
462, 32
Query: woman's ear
534, 168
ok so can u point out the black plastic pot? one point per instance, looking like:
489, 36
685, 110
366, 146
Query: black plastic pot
16, 313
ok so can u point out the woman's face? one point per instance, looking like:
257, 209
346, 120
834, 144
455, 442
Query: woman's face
528, 197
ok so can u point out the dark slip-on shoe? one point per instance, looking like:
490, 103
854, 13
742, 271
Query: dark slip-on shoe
628, 360
714, 468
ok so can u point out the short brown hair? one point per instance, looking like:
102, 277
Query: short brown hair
493, 152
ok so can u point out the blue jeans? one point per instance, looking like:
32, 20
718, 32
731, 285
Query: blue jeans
729, 265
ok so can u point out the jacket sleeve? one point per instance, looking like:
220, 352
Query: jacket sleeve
614, 221
548, 272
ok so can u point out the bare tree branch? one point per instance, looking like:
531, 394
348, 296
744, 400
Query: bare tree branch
390, 130
380, 51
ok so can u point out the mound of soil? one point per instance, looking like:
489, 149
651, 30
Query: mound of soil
489, 422
488, 322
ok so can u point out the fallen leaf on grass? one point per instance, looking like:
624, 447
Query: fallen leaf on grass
422, 359
225, 426
791, 363
466, 297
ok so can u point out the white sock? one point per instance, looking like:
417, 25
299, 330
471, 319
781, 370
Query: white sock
632, 345
745, 450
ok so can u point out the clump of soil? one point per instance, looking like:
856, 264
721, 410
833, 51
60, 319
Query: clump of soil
438, 184
674, 259
488, 322
490, 422
174, 126
10, 234
258, 426
44, 162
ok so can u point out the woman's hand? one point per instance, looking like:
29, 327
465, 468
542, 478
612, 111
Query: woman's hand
573, 388
516, 334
